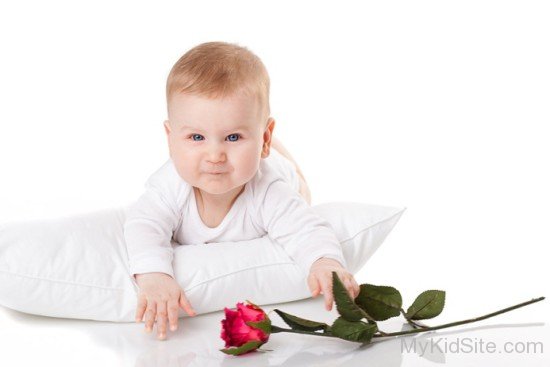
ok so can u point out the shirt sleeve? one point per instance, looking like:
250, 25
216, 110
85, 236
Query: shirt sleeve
290, 220
148, 231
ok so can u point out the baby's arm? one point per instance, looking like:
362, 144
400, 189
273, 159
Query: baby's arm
148, 230
306, 237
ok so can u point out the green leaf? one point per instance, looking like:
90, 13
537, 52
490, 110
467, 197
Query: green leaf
344, 304
372, 322
245, 348
427, 305
355, 331
264, 325
297, 323
380, 302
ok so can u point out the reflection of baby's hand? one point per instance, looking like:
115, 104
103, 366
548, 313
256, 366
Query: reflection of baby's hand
159, 298
320, 280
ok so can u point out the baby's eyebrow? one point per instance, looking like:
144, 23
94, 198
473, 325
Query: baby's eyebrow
186, 127
240, 127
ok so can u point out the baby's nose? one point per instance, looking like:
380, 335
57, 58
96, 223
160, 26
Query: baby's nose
216, 155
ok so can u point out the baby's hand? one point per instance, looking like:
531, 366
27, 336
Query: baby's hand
320, 280
160, 296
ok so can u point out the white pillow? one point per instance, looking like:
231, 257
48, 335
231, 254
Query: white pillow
77, 266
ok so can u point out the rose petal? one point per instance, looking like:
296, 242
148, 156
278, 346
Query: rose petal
240, 333
227, 326
250, 313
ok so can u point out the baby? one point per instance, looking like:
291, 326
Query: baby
223, 182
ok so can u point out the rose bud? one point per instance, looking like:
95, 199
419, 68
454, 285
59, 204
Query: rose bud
245, 328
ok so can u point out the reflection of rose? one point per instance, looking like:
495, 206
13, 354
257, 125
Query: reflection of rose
247, 325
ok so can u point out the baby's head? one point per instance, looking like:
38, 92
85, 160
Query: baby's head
218, 125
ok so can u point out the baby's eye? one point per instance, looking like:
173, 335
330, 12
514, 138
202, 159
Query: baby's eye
233, 137
194, 135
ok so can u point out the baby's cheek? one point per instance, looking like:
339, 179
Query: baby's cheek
185, 169
249, 165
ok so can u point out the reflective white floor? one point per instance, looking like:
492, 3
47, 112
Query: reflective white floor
29, 340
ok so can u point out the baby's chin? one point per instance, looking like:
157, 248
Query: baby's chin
219, 188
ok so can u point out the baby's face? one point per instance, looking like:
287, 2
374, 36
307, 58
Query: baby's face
217, 144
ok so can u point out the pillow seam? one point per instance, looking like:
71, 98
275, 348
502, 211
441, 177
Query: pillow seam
61, 281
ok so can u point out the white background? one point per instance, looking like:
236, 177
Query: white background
438, 106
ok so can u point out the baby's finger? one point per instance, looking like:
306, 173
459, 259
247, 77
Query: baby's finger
349, 287
313, 285
185, 305
326, 285
161, 320
173, 309
328, 301
141, 306
356, 287
150, 316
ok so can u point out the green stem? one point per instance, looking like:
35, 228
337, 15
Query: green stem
463, 321
276, 329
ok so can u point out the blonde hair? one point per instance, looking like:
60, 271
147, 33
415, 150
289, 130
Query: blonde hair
217, 70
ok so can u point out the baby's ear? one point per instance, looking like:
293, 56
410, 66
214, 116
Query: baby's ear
265, 151
268, 137
167, 127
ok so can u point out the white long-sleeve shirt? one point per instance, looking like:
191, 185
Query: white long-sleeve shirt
269, 204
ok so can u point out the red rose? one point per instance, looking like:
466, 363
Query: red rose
247, 328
